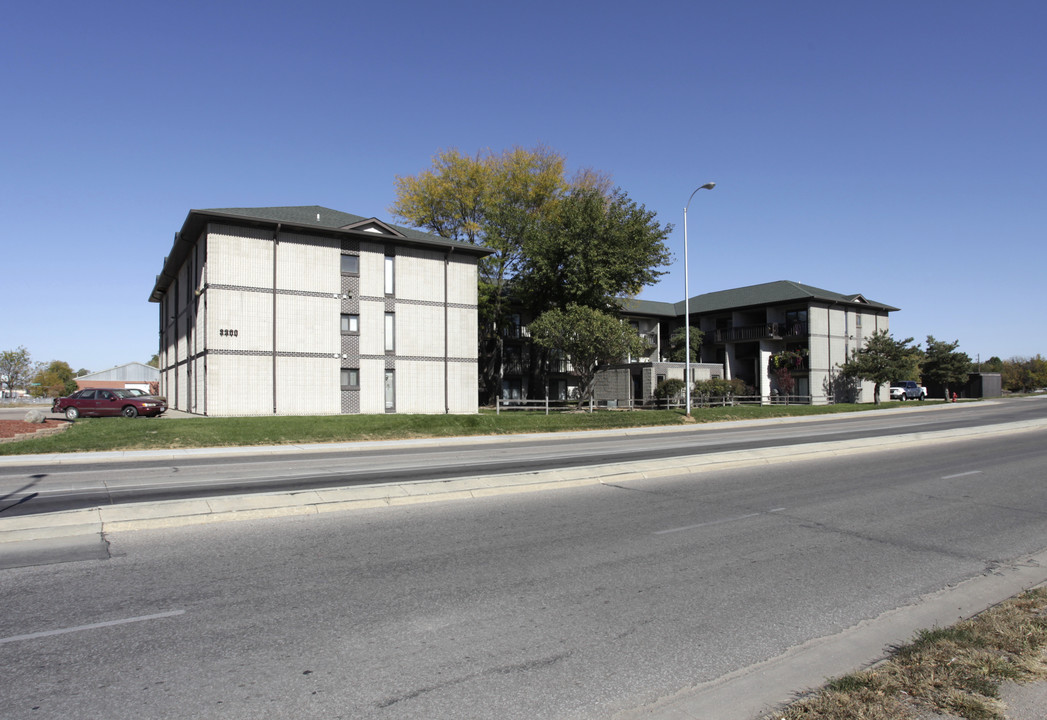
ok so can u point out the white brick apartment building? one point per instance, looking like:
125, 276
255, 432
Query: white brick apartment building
307, 310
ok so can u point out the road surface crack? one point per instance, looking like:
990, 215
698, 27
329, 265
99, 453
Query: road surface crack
527, 666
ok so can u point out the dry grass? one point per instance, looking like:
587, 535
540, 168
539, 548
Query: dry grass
956, 670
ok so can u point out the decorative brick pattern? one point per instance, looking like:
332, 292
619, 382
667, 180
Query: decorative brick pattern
351, 402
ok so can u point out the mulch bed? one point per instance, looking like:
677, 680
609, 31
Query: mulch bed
21, 430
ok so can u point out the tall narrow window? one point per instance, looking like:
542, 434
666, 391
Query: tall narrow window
390, 263
390, 332
390, 391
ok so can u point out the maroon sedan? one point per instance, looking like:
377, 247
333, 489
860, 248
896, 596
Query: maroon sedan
100, 402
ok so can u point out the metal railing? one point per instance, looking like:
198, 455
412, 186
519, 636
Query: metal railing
546, 405
760, 332
697, 401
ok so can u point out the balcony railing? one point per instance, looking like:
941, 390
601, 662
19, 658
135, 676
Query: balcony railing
762, 331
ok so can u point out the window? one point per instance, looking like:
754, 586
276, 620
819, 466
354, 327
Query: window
390, 332
351, 264
350, 324
796, 322
390, 391
350, 379
512, 329
389, 267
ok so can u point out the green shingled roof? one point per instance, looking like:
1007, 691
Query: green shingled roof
773, 293
631, 306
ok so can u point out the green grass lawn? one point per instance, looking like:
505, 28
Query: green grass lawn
97, 434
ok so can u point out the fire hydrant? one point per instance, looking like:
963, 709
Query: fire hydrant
954, 396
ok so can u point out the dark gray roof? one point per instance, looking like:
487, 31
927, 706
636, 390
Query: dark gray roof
779, 292
308, 219
319, 216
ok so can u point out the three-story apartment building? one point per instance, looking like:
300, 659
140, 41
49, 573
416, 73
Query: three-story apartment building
747, 332
308, 310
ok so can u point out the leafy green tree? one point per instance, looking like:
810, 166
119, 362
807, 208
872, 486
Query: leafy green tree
992, 365
556, 241
1021, 374
943, 365
154, 361
17, 366
882, 360
1038, 371
592, 250
54, 380
494, 200
586, 337
679, 338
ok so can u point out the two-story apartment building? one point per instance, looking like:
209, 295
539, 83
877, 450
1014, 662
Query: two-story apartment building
308, 310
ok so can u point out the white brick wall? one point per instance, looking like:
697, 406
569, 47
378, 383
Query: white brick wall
307, 324
420, 330
372, 327
372, 386
372, 270
461, 281
239, 256
250, 314
463, 386
463, 340
239, 385
419, 386
307, 386
419, 275
308, 263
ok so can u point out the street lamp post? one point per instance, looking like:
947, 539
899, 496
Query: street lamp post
687, 300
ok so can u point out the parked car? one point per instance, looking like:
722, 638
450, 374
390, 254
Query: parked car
908, 390
102, 402
143, 394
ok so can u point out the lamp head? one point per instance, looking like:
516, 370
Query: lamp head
708, 186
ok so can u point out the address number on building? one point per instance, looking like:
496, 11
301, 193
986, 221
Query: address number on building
228, 333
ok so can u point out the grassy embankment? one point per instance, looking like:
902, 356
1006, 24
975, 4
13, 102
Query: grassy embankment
99, 434
956, 670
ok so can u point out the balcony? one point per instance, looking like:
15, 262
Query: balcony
763, 331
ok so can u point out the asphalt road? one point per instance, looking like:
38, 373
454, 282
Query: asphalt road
45, 484
580, 603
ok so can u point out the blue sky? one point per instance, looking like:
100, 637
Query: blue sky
893, 149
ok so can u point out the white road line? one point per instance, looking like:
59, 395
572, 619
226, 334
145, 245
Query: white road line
716, 522
963, 474
92, 626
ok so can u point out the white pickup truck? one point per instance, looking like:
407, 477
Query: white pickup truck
908, 390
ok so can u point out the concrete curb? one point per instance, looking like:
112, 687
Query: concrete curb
759, 689
176, 513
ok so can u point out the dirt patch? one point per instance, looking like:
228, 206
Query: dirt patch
10, 429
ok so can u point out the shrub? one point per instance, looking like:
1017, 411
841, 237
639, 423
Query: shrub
719, 387
669, 388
